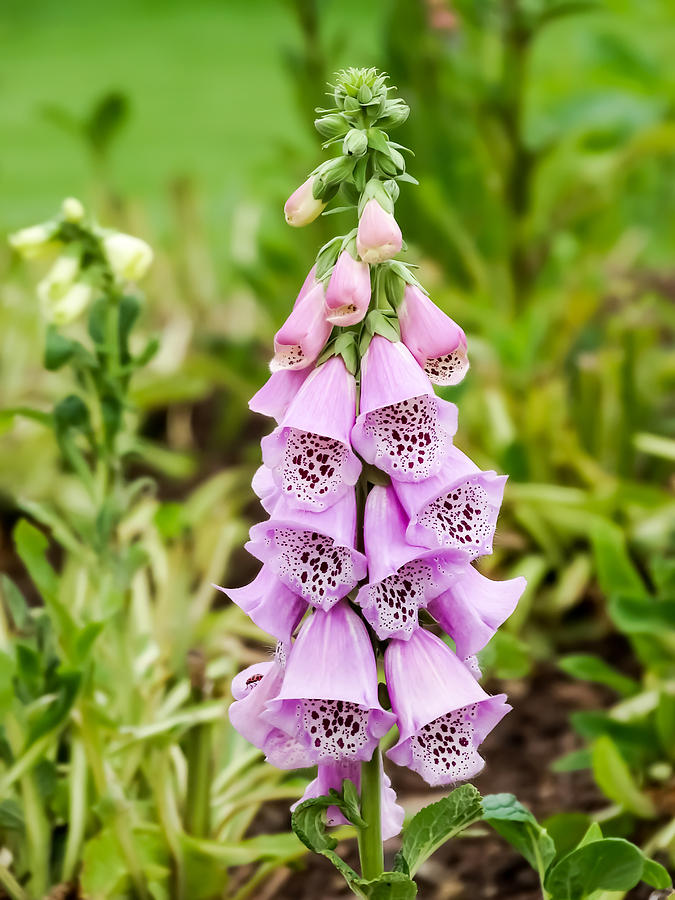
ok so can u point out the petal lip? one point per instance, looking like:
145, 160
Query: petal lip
269, 603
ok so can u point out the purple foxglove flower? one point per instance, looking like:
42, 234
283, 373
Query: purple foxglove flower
437, 343
402, 577
310, 453
403, 427
473, 608
348, 291
443, 713
328, 699
378, 236
252, 689
312, 553
332, 774
278, 392
457, 508
270, 604
302, 336
302, 207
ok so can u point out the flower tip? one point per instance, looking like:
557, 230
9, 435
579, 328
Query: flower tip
129, 257
72, 210
302, 207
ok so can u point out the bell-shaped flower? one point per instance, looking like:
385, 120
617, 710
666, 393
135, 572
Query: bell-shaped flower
312, 553
437, 343
302, 207
36, 241
402, 577
62, 293
443, 713
301, 338
403, 427
309, 453
473, 607
278, 392
328, 699
457, 508
348, 291
269, 603
252, 689
378, 236
128, 257
330, 775
307, 285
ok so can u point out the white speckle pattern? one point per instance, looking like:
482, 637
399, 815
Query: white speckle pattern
392, 604
314, 565
312, 467
462, 518
449, 369
336, 729
443, 751
409, 440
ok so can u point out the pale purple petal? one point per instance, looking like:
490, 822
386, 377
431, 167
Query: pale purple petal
266, 488
473, 607
251, 690
312, 553
275, 396
310, 453
348, 291
328, 700
443, 713
303, 335
457, 508
269, 603
402, 427
437, 343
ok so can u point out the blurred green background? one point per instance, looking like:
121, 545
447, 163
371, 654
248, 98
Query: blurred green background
544, 223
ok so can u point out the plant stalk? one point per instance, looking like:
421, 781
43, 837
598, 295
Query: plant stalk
198, 753
370, 835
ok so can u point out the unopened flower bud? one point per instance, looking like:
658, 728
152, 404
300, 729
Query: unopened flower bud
331, 126
355, 143
33, 242
62, 298
129, 257
302, 207
72, 210
378, 236
394, 114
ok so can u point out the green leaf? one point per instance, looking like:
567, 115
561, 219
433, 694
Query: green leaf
389, 886
7, 671
616, 572
106, 119
58, 349
32, 545
436, 824
129, 310
574, 761
592, 668
506, 656
615, 780
71, 412
566, 830
378, 141
57, 712
611, 864
642, 616
378, 323
11, 815
516, 824
15, 601
656, 875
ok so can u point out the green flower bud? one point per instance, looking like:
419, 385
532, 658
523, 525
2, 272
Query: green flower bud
330, 174
331, 126
355, 143
395, 113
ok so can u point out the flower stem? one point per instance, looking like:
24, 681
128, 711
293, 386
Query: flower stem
198, 753
370, 835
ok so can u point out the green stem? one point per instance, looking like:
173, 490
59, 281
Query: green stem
370, 835
77, 808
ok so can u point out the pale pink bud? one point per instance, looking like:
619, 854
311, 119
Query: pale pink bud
302, 207
348, 291
379, 236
